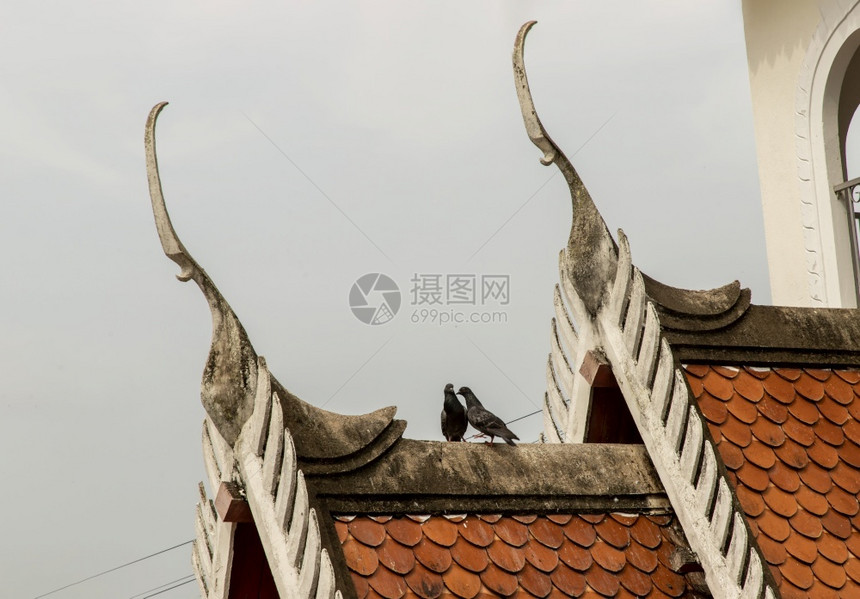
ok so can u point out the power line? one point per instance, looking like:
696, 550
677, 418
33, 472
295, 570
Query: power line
140, 559
176, 586
160, 588
510, 422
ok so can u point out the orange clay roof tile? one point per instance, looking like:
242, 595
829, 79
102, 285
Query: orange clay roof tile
512, 532
753, 477
805, 438
568, 581
490, 518
580, 532
804, 410
535, 581
792, 454
774, 553
850, 454
829, 432
496, 579
614, 533
839, 389
609, 558
819, 374
784, 477
541, 557
736, 431
472, 558
834, 412
743, 410
852, 568
713, 409
461, 582
550, 534
751, 501
778, 388
396, 557
590, 555
807, 524
434, 557
803, 549
477, 532
789, 374
760, 454
769, 433
423, 582
733, 456
718, 386
635, 581
780, 502
404, 531
577, 557
772, 410
641, 557
603, 582
441, 531
748, 386
800, 433
367, 531
846, 477
842, 502
833, 549
809, 387
509, 558
824, 455
387, 583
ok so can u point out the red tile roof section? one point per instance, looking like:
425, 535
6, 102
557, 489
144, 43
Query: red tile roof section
790, 439
587, 555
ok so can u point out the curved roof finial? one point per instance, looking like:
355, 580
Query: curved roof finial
230, 375
591, 252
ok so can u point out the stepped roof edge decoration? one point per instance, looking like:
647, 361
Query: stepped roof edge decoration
344, 506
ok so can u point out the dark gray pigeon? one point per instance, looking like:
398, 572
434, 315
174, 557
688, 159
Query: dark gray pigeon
484, 420
453, 416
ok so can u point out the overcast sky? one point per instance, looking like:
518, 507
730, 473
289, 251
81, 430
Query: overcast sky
305, 146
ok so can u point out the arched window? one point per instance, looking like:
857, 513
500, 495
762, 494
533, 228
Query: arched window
848, 191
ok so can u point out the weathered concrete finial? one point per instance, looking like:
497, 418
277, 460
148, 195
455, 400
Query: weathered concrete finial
230, 375
592, 255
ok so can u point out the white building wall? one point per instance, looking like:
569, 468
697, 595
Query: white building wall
797, 52
777, 36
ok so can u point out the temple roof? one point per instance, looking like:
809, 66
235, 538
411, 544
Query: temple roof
733, 475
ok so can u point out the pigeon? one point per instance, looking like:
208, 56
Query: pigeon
453, 416
484, 420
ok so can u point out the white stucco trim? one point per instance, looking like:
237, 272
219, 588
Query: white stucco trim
819, 158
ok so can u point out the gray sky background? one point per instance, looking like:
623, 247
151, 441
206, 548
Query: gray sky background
405, 116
